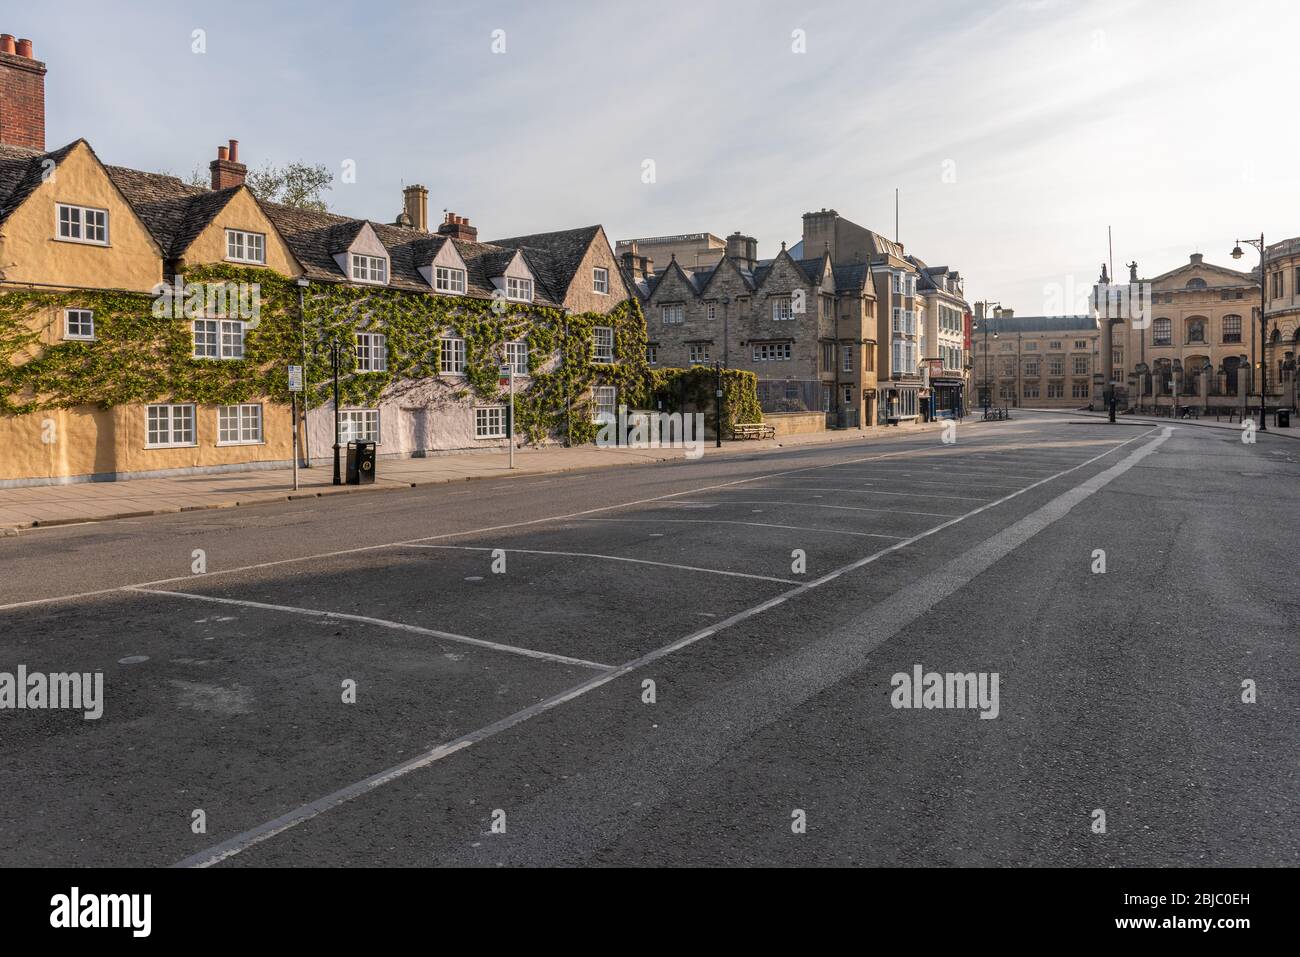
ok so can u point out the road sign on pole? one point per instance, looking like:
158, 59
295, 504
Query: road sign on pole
295, 378
507, 373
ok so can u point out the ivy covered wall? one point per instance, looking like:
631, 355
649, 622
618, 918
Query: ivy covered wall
139, 357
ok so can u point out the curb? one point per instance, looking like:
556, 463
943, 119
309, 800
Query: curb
397, 486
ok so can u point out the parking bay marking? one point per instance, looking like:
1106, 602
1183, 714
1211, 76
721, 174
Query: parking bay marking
610, 558
723, 521
263, 832
115, 589
380, 622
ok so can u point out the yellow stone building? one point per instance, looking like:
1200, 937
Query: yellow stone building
147, 325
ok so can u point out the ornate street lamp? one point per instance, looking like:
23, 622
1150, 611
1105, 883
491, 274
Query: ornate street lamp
1263, 323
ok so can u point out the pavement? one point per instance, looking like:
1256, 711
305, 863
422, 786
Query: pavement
47, 505
687, 663
1208, 422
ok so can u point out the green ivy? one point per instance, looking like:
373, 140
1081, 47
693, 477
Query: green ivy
138, 357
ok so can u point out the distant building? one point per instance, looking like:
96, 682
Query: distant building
1035, 361
691, 250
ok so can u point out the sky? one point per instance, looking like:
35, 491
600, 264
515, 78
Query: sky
1015, 132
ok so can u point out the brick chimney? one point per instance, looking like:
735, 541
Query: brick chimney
226, 169
458, 227
416, 203
22, 94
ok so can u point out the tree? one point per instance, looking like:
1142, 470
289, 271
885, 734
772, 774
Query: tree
294, 184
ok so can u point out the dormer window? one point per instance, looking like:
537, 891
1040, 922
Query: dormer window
82, 224
446, 279
519, 290
369, 269
244, 247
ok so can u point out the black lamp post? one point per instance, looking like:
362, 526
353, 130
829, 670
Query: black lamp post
717, 401
1263, 322
985, 321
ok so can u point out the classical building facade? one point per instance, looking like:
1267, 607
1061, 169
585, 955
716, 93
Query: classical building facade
113, 370
1282, 308
1035, 361
1188, 335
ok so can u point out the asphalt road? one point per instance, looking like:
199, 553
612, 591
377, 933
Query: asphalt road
501, 634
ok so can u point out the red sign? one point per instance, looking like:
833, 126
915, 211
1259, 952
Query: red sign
967, 329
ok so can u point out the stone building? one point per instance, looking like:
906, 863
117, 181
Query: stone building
900, 324
1189, 333
1283, 311
691, 250
1035, 361
805, 327
944, 311
102, 384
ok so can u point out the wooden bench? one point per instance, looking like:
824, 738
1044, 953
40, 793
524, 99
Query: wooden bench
753, 430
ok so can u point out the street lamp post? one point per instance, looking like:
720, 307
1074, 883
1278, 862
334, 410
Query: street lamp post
1263, 322
302, 335
717, 402
985, 320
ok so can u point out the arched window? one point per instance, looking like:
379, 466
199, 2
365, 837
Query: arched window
1161, 332
1195, 284
1162, 374
1196, 330
1231, 366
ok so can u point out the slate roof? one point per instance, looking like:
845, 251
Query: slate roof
21, 171
175, 213
562, 252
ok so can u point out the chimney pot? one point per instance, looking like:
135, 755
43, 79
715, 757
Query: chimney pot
226, 169
458, 227
22, 95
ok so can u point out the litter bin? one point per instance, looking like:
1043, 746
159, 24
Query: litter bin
361, 463
1283, 420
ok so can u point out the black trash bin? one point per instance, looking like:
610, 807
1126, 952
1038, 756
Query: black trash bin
1283, 419
361, 463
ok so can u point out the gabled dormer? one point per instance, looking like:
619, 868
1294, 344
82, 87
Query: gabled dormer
516, 279
361, 256
445, 271
66, 222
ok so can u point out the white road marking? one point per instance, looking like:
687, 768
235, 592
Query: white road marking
241, 842
720, 521
845, 508
473, 531
869, 491
609, 558
380, 622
